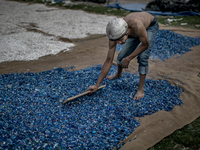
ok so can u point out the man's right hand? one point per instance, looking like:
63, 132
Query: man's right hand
92, 89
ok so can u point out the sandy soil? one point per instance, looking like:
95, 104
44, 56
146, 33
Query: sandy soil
181, 72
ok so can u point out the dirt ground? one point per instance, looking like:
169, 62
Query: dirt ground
87, 52
182, 71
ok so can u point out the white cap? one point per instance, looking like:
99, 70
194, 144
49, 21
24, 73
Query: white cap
116, 29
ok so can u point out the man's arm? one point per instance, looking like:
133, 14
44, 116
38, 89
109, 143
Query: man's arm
106, 66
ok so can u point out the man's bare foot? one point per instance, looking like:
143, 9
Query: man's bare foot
112, 77
138, 95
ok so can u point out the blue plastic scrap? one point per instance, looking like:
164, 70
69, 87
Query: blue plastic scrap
33, 117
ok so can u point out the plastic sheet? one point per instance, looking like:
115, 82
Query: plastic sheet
139, 7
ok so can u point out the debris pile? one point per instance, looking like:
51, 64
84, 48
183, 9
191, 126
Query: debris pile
173, 6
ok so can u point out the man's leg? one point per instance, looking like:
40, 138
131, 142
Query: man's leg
140, 90
143, 60
117, 75
129, 46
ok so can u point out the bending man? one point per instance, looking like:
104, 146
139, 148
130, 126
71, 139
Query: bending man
137, 31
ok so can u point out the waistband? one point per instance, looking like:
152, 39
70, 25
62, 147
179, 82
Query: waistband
153, 22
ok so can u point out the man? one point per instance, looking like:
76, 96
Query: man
137, 31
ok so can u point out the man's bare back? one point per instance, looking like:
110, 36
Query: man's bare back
137, 19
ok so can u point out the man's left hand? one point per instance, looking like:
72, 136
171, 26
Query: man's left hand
125, 62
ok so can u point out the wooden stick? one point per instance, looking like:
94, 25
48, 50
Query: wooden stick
79, 95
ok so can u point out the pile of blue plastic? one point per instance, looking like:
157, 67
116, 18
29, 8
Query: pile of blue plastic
168, 44
33, 117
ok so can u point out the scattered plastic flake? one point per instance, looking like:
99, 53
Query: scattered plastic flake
169, 43
33, 117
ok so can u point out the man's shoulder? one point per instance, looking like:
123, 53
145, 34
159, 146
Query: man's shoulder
139, 19
135, 22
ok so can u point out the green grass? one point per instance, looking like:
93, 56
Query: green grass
99, 9
186, 138
191, 21
88, 8
189, 136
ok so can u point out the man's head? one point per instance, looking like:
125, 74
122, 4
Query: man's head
116, 30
